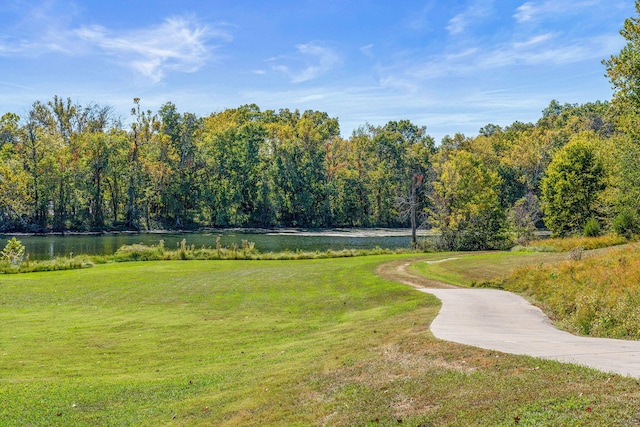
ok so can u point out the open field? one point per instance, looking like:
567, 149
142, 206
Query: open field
466, 268
308, 342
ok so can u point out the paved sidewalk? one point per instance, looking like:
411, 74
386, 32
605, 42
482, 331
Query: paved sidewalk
502, 321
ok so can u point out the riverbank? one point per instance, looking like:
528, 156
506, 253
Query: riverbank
336, 232
49, 246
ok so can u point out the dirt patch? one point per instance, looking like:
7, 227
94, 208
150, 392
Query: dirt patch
398, 271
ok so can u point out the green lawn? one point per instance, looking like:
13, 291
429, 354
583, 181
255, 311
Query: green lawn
465, 268
309, 342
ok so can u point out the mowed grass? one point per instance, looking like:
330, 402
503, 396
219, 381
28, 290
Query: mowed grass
309, 342
467, 268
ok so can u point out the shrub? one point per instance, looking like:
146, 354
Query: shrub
138, 252
626, 223
13, 252
592, 228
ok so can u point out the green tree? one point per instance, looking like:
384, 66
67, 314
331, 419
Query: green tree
14, 195
235, 190
299, 172
573, 185
36, 147
465, 203
622, 196
418, 147
9, 129
623, 71
182, 193
349, 165
143, 131
13, 252
102, 165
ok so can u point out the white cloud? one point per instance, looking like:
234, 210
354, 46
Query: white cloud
526, 12
457, 24
399, 83
367, 50
49, 43
547, 49
15, 86
178, 44
477, 11
536, 10
311, 61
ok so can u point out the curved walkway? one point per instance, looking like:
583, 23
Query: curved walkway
502, 321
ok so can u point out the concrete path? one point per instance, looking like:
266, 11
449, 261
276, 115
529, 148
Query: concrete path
502, 321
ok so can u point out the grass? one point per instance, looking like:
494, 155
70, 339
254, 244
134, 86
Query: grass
468, 268
568, 243
141, 252
598, 295
236, 343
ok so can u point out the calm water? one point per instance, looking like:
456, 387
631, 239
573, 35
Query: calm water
49, 246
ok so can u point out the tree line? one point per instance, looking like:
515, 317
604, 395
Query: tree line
64, 166
68, 167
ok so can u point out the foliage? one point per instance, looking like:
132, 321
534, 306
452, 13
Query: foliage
70, 167
522, 218
592, 228
13, 252
623, 185
624, 74
466, 204
572, 186
73, 167
65, 166
626, 223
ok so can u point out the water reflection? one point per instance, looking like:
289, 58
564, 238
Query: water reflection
47, 247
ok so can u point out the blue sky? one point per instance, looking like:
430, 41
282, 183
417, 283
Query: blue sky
453, 66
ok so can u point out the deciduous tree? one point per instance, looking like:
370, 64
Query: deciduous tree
572, 186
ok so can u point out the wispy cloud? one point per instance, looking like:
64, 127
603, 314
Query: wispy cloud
178, 44
310, 62
551, 50
50, 41
16, 86
367, 50
535, 10
547, 49
476, 11
421, 19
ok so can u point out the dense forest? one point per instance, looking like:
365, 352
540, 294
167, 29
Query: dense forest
65, 166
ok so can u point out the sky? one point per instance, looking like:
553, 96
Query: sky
453, 66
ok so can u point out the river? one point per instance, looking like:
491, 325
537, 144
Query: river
55, 245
